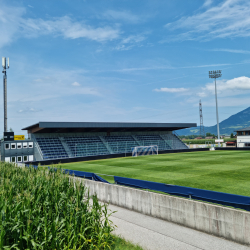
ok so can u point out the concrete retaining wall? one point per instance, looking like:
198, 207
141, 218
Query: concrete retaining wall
224, 222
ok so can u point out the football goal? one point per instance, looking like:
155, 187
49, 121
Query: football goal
144, 150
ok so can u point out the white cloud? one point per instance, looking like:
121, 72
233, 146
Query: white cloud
46, 85
130, 42
143, 68
77, 84
134, 39
9, 19
29, 110
171, 90
227, 87
238, 51
231, 18
13, 24
122, 47
207, 3
122, 16
67, 28
162, 67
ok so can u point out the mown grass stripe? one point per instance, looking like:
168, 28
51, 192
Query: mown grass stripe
223, 171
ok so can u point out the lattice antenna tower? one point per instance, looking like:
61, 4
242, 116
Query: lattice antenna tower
202, 130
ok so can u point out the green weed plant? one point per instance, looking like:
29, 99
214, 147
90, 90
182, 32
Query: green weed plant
41, 209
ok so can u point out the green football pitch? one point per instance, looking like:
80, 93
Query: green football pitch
223, 171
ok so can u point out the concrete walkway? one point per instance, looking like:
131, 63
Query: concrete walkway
151, 233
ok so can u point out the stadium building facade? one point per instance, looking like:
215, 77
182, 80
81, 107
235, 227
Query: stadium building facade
243, 137
65, 140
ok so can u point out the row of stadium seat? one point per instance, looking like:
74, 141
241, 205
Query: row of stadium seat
153, 140
86, 146
120, 144
52, 148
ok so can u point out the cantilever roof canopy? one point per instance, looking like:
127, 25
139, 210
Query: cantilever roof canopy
74, 127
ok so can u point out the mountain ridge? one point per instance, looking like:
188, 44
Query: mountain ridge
227, 126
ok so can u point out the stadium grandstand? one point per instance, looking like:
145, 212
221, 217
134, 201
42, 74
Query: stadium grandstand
60, 140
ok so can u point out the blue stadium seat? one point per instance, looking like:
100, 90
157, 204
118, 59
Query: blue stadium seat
86, 146
51, 148
81, 146
121, 144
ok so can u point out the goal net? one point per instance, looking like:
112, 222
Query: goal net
144, 150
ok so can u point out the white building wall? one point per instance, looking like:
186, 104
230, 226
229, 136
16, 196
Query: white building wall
242, 139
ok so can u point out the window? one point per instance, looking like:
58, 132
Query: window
7, 159
7, 146
25, 145
25, 158
30, 144
247, 144
13, 159
13, 145
19, 145
19, 158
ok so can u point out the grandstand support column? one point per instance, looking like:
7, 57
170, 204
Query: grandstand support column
136, 140
106, 145
166, 143
66, 147
38, 155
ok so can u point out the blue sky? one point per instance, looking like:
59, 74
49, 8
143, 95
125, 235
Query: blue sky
107, 60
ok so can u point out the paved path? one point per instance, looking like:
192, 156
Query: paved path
151, 233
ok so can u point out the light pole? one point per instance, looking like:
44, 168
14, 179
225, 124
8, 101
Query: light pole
6, 65
216, 74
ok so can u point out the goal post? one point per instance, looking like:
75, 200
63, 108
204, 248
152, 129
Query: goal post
144, 150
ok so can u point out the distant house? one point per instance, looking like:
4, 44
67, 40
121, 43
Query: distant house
243, 137
231, 143
209, 137
198, 138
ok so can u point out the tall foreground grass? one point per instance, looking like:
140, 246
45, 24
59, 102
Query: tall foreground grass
47, 210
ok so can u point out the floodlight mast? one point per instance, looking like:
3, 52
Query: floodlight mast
5, 65
216, 74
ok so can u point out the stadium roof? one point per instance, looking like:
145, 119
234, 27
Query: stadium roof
73, 127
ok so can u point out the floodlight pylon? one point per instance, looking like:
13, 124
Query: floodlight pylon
216, 74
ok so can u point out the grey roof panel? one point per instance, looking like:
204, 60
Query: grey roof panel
109, 125
88, 126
